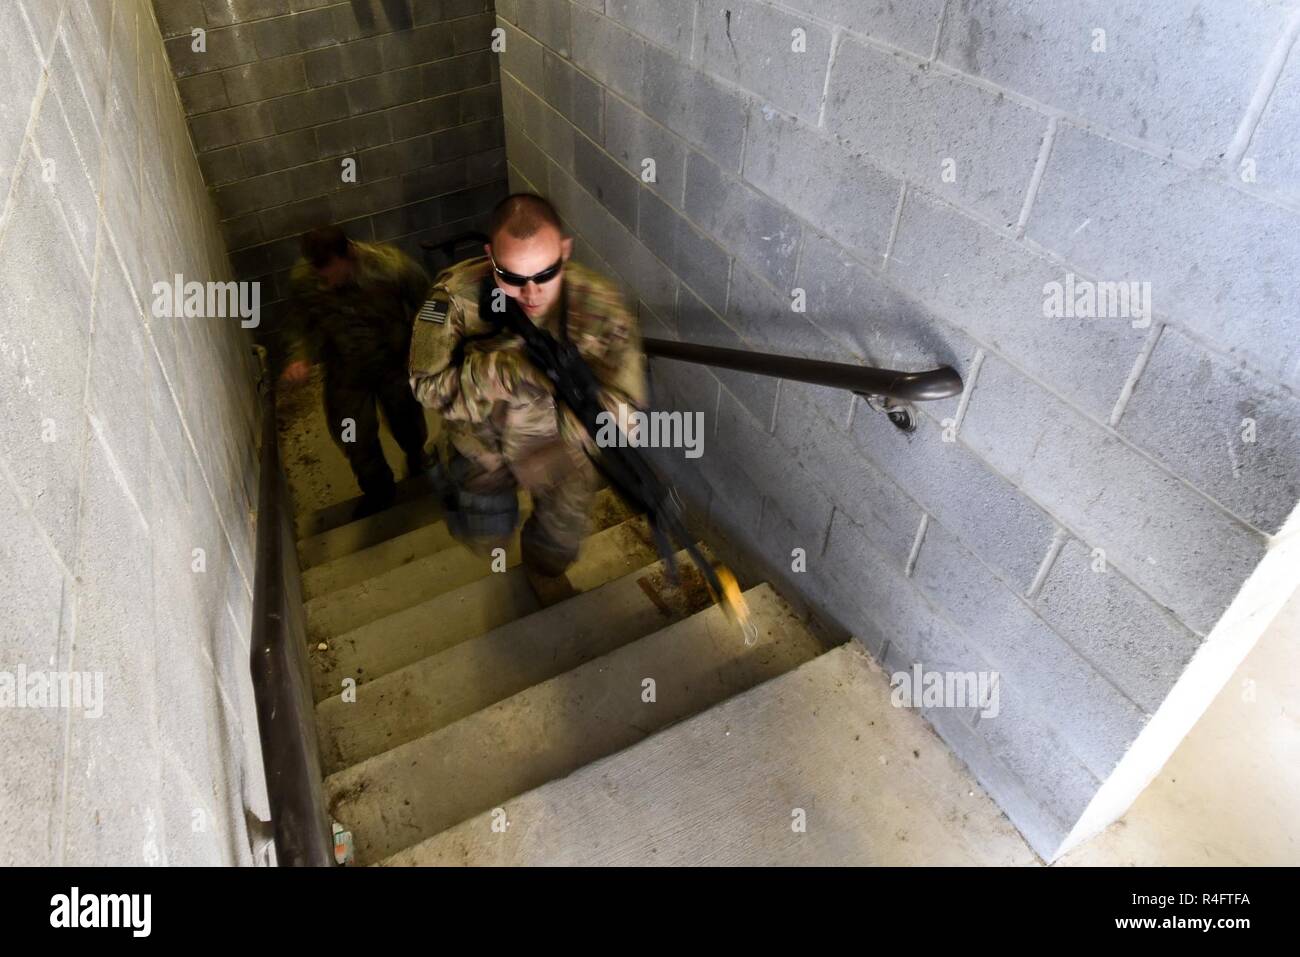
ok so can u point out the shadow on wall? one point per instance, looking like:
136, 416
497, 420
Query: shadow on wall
394, 14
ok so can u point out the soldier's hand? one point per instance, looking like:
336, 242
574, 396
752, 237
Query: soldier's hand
502, 376
531, 380
296, 372
519, 379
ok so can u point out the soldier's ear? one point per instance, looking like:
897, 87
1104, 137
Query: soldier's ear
566, 248
487, 249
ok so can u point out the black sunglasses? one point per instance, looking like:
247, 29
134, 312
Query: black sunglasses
514, 279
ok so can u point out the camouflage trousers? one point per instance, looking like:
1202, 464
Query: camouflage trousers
520, 446
352, 410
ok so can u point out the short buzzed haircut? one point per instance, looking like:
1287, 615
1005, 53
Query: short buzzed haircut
323, 244
521, 215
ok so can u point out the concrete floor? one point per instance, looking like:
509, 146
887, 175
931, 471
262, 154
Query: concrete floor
1230, 795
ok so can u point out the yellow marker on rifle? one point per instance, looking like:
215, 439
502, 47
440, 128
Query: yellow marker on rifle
733, 602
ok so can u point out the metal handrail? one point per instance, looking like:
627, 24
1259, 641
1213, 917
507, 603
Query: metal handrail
933, 384
286, 719
867, 381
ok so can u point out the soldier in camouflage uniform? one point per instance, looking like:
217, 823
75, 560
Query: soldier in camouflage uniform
499, 413
352, 306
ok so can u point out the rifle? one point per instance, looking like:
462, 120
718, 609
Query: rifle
627, 470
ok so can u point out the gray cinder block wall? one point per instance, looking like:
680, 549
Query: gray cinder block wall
283, 92
921, 174
127, 470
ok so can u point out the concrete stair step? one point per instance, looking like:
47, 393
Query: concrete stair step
338, 542
877, 787
472, 675
386, 555
387, 643
403, 587
340, 513
375, 560
420, 788
351, 606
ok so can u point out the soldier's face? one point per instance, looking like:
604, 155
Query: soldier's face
527, 257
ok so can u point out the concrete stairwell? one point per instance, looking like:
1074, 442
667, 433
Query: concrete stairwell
484, 728
468, 692
628, 723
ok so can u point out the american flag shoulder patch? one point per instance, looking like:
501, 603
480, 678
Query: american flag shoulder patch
435, 310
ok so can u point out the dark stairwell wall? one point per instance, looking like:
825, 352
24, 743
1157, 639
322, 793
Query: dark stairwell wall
286, 90
918, 174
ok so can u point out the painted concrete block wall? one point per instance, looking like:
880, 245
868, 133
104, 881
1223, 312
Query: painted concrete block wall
921, 174
127, 447
283, 92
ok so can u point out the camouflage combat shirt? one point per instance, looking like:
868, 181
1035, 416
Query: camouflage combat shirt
450, 330
361, 329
